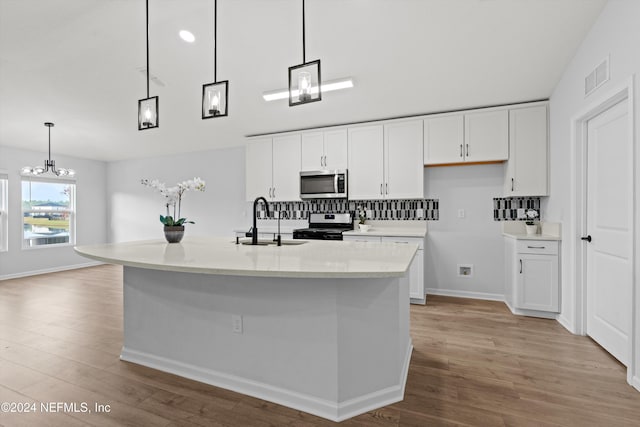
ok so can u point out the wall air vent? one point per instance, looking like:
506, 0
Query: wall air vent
597, 77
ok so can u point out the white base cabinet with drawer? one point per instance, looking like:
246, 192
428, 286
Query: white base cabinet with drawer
416, 271
532, 277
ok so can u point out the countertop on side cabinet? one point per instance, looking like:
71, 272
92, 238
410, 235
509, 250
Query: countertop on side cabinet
392, 229
221, 256
516, 230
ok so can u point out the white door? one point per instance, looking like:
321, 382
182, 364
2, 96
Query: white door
444, 139
335, 149
366, 163
404, 171
286, 168
486, 136
313, 151
609, 254
258, 164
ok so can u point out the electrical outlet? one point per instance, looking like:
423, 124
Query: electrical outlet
236, 320
461, 213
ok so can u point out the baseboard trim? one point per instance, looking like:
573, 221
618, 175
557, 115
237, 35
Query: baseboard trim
50, 270
635, 382
334, 411
566, 324
465, 294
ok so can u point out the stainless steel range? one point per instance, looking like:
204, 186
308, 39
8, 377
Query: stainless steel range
325, 226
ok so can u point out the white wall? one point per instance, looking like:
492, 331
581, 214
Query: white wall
475, 239
90, 219
134, 209
615, 33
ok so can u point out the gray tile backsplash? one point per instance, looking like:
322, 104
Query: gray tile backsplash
393, 210
506, 208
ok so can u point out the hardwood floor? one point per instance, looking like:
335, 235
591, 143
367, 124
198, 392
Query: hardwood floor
473, 364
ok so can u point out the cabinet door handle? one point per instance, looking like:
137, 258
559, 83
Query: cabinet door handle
381, 189
511, 184
269, 192
325, 161
274, 193
387, 187
535, 247
467, 150
460, 150
520, 266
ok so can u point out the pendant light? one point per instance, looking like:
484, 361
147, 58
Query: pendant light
304, 79
49, 165
215, 96
148, 107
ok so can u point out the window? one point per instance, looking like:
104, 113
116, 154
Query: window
4, 220
48, 212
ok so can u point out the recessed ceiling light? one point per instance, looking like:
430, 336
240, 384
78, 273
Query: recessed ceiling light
187, 36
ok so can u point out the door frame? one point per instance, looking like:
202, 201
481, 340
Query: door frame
578, 221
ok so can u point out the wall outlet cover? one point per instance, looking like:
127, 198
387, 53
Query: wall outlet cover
465, 270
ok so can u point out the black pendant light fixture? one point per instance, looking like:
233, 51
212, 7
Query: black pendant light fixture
215, 96
304, 79
49, 165
148, 117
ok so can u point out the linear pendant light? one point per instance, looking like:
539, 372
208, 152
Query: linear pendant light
49, 165
305, 83
148, 114
215, 96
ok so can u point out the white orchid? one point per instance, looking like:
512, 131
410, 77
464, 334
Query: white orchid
173, 197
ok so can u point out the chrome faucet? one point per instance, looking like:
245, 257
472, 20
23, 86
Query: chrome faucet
254, 231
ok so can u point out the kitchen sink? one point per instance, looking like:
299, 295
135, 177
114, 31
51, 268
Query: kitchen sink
272, 243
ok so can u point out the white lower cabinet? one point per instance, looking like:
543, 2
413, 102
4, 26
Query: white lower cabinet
416, 271
532, 277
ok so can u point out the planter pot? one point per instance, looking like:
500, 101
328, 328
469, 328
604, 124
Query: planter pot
532, 229
173, 233
364, 227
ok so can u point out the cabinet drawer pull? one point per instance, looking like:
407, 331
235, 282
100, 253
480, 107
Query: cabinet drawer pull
520, 266
535, 247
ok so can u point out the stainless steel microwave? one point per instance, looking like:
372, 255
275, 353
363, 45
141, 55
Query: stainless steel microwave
331, 184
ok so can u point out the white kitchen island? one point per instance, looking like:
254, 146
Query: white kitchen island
322, 327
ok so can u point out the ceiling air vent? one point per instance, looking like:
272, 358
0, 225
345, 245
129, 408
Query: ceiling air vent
597, 77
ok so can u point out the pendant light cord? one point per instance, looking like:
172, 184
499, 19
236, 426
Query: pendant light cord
147, 13
49, 143
303, 35
215, 40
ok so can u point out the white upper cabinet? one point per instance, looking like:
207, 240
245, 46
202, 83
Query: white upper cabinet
386, 161
273, 168
404, 171
527, 169
312, 151
486, 136
335, 149
324, 150
444, 139
474, 136
259, 168
366, 162
286, 168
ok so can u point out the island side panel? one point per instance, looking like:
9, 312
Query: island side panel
293, 336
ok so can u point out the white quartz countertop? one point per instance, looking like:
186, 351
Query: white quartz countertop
391, 229
219, 255
545, 231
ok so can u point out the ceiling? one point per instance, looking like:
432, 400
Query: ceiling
77, 63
